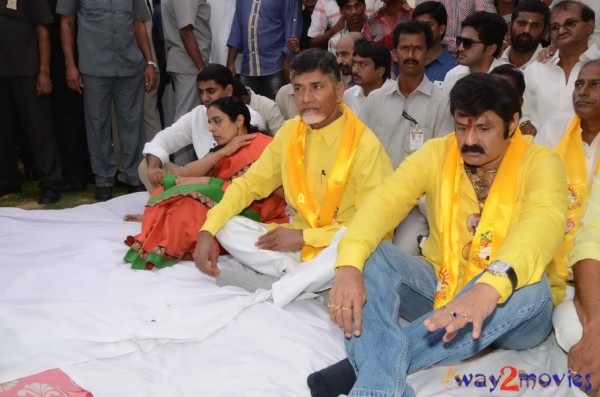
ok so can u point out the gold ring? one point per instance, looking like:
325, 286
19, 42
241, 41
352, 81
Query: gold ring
467, 317
332, 306
346, 308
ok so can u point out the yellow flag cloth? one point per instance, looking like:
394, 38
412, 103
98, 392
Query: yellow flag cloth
315, 214
493, 225
570, 150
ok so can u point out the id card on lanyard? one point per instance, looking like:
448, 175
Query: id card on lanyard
417, 135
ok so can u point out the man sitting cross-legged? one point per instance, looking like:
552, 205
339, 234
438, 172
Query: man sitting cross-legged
576, 138
327, 162
496, 211
576, 320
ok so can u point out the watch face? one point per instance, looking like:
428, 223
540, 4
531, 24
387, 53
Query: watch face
499, 267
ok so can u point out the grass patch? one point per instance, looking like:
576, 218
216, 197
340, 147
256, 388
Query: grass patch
31, 192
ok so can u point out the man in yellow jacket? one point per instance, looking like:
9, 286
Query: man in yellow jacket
497, 209
326, 160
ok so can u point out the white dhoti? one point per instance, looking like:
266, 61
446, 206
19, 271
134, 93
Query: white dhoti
287, 276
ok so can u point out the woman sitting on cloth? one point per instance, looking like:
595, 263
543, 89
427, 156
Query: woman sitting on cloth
176, 211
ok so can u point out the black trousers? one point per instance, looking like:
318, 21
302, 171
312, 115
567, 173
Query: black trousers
22, 110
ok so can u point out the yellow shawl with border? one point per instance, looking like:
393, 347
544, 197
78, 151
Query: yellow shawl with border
322, 214
494, 222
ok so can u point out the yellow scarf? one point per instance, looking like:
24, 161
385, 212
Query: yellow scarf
308, 207
570, 150
494, 222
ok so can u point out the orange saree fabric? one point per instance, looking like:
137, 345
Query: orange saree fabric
173, 217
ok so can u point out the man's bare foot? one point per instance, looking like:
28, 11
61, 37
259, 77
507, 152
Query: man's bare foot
133, 217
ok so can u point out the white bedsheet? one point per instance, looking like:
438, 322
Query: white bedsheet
69, 301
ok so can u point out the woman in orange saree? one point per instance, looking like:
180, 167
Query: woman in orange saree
176, 211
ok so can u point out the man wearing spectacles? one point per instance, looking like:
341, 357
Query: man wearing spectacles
549, 85
529, 24
477, 47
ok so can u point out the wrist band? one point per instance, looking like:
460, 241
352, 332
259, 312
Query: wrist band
169, 181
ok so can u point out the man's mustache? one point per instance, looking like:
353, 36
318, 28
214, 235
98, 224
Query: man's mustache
472, 149
407, 61
530, 37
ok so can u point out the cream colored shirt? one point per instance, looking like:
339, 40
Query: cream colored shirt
383, 112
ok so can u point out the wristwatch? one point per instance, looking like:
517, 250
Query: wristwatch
153, 64
504, 269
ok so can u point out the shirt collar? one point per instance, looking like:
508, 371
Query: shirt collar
331, 131
425, 87
592, 52
444, 55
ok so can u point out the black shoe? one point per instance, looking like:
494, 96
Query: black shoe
73, 186
135, 188
103, 193
49, 196
4, 190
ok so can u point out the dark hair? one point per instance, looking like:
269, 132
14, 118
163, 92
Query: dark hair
342, 3
217, 72
233, 107
433, 8
239, 89
587, 14
315, 58
412, 27
378, 53
535, 6
511, 70
491, 28
478, 93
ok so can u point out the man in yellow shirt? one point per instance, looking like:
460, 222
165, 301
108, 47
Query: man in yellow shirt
326, 160
577, 321
497, 207
576, 138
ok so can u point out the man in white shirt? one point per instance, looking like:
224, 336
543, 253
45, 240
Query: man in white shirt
371, 69
529, 24
595, 6
286, 102
215, 81
549, 85
326, 20
406, 114
355, 18
478, 45
266, 107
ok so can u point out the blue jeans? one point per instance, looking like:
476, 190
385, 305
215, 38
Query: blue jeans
399, 284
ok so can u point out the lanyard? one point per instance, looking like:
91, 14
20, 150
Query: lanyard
408, 117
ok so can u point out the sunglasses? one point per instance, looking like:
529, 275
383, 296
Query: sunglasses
466, 42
